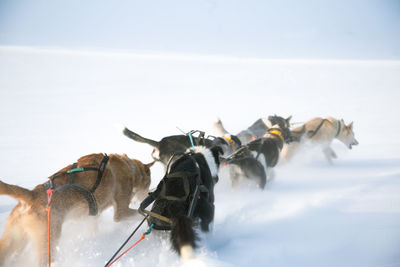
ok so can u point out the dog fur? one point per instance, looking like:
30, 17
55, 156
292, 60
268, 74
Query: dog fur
175, 144
168, 146
228, 143
255, 131
123, 179
323, 132
183, 236
254, 161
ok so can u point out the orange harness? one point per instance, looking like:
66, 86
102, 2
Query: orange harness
48, 209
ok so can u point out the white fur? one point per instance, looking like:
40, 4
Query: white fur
208, 156
186, 252
156, 154
219, 128
267, 122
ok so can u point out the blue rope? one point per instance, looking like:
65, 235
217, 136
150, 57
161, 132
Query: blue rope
149, 230
191, 139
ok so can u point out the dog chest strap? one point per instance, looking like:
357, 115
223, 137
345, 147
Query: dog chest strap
93, 210
101, 169
88, 194
72, 173
314, 132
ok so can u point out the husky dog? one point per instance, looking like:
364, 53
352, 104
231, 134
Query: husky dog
321, 131
184, 196
170, 145
254, 161
175, 144
257, 130
228, 143
81, 189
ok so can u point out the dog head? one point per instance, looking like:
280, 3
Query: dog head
282, 122
346, 135
228, 143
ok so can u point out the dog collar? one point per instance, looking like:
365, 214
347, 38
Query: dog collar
227, 138
277, 133
339, 128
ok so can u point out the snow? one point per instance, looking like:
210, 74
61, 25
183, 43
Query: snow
57, 105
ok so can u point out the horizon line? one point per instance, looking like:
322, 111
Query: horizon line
152, 55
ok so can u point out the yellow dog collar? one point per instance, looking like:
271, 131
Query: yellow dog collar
227, 138
277, 133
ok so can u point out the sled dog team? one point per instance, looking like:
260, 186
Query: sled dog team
184, 196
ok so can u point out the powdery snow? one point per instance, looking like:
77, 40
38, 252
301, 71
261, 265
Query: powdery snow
56, 106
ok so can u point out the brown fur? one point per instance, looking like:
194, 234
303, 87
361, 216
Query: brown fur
123, 179
324, 136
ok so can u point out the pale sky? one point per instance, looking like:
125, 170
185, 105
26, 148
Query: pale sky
355, 29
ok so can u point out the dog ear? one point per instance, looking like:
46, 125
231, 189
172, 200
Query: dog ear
350, 126
236, 140
288, 119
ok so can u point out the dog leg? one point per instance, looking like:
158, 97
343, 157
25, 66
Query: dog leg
12, 242
288, 151
329, 153
206, 214
121, 208
36, 228
236, 175
270, 174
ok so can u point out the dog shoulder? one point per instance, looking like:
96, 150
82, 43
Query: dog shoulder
208, 156
91, 159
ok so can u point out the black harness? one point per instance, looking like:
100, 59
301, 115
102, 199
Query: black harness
87, 193
312, 133
161, 193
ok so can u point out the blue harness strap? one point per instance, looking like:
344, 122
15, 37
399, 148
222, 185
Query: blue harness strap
339, 128
191, 139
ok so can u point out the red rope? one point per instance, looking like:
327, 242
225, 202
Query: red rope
122, 254
48, 208
48, 233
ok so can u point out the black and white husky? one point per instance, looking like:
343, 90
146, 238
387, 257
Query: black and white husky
170, 145
254, 161
257, 130
185, 196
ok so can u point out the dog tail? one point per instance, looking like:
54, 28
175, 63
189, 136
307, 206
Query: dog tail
219, 128
17, 192
183, 236
139, 138
148, 165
